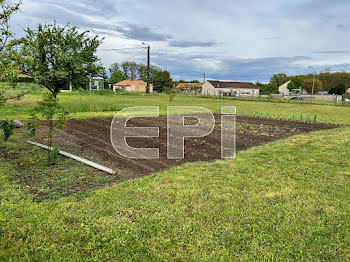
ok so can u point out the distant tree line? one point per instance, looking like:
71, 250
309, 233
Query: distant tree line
332, 82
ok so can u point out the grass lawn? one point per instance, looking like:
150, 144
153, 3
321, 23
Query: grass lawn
286, 200
87, 105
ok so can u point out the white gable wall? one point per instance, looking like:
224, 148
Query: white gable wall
208, 89
283, 89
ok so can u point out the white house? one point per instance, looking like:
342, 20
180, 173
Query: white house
227, 88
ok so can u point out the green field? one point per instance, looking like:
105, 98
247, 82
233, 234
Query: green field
286, 200
86, 105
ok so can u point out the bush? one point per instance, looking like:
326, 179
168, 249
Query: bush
171, 92
7, 126
339, 89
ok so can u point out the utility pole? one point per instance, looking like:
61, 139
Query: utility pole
203, 78
313, 84
148, 69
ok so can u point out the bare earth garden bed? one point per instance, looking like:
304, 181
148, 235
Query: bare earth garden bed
90, 139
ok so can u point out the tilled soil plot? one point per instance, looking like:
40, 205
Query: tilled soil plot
90, 139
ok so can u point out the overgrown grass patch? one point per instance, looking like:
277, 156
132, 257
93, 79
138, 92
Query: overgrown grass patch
30, 171
107, 104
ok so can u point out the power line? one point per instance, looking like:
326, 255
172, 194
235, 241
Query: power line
119, 49
135, 55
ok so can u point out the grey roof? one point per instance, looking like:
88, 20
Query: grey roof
227, 84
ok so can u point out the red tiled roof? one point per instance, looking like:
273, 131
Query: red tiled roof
127, 83
227, 84
187, 86
23, 76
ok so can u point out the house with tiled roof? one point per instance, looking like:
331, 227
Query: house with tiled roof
132, 86
188, 86
229, 88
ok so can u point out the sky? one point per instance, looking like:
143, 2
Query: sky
228, 40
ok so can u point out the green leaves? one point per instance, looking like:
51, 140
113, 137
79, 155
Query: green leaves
296, 83
8, 67
7, 126
161, 81
50, 109
171, 92
57, 55
55, 115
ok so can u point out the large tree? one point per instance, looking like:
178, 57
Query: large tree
130, 69
296, 83
338, 89
114, 67
58, 56
311, 85
279, 79
116, 77
161, 81
267, 89
8, 56
142, 71
8, 67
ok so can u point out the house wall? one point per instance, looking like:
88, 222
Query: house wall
137, 87
208, 89
283, 89
252, 92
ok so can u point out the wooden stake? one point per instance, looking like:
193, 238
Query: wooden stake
77, 158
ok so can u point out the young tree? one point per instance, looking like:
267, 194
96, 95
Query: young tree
171, 92
161, 81
196, 89
59, 55
308, 83
116, 77
55, 116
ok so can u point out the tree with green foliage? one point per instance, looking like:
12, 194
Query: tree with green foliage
267, 89
116, 77
142, 71
296, 83
9, 58
339, 89
161, 81
7, 126
58, 56
55, 116
279, 79
171, 92
196, 89
308, 83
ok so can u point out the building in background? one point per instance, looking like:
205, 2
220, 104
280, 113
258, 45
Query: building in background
95, 83
228, 88
283, 89
189, 87
132, 86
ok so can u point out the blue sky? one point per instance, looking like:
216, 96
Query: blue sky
230, 40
